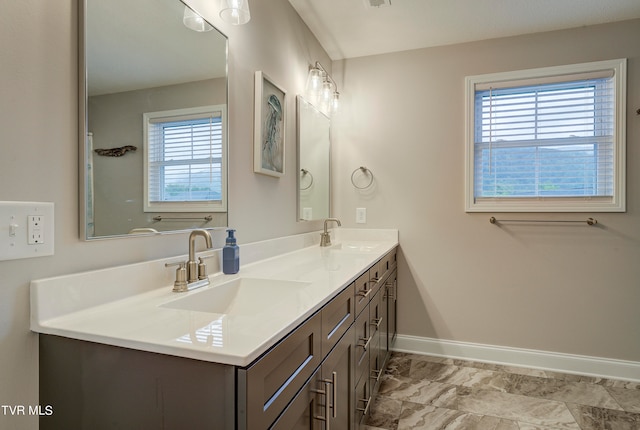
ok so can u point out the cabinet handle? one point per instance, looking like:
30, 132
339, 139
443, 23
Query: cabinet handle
325, 393
364, 293
377, 373
375, 280
364, 410
367, 341
391, 285
334, 392
376, 322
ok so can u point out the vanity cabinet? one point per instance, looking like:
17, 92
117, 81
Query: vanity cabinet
323, 375
375, 332
354, 332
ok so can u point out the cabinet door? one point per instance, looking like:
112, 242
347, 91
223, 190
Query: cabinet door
392, 305
375, 321
305, 412
362, 402
363, 342
384, 324
338, 374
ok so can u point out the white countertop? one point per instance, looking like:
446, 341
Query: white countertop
123, 306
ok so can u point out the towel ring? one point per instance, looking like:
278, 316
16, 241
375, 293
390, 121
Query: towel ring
306, 172
364, 170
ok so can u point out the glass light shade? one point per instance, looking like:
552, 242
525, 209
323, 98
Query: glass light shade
195, 22
335, 102
235, 12
314, 83
327, 91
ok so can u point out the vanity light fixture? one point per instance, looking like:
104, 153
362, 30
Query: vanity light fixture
322, 90
195, 22
235, 12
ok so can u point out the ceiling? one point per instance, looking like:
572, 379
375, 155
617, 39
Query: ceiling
352, 28
139, 44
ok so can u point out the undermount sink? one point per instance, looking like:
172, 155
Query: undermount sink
241, 296
355, 247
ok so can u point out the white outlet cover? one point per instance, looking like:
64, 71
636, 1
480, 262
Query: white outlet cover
14, 230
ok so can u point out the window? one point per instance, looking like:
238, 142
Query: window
547, 140
185, 160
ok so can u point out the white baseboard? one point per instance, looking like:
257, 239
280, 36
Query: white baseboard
544, 360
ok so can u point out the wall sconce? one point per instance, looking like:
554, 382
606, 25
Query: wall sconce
195, 22
235, 12
322, 90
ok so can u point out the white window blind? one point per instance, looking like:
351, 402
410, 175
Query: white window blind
540, 138
185, 160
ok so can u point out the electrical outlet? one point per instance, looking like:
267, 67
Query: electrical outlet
35, 229
361, 215
26, 230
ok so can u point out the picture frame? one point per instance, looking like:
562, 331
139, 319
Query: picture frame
269, 127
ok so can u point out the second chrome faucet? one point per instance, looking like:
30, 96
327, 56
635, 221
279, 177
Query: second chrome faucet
325, 237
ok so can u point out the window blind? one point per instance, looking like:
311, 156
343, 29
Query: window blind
185, 158
545, 138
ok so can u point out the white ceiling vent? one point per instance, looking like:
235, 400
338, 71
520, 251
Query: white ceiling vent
377, 3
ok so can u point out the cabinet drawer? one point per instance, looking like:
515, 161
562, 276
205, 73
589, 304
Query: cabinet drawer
266, 387
337, 317
362, 292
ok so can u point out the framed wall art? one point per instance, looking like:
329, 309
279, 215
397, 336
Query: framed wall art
269, 127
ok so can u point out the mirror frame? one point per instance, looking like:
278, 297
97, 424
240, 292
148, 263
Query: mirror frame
83, 121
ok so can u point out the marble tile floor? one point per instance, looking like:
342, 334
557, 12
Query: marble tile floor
424, 392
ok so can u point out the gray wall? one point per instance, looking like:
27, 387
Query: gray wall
563, 288
38, 139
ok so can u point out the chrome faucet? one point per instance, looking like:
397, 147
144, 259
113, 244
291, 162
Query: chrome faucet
325, 237
192, 265
192, 274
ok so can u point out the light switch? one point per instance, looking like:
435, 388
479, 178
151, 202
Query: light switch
26, 230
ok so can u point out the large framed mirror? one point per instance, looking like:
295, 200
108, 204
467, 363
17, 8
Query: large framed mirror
314, 167
153, 119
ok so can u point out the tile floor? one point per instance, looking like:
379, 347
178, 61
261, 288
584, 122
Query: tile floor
424, 392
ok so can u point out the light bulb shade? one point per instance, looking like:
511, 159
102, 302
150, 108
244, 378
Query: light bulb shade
327, 91
314, 83
335, 102
235, 12
195, 22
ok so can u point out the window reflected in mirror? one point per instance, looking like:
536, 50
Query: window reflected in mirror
156, 94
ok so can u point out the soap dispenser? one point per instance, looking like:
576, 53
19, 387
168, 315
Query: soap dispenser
230, 255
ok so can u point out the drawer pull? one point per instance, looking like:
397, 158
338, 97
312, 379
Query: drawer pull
375, 280
366, 340
365, 293
334, 382
364, 410
376, 322
334, 392
325, 392
376, 374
